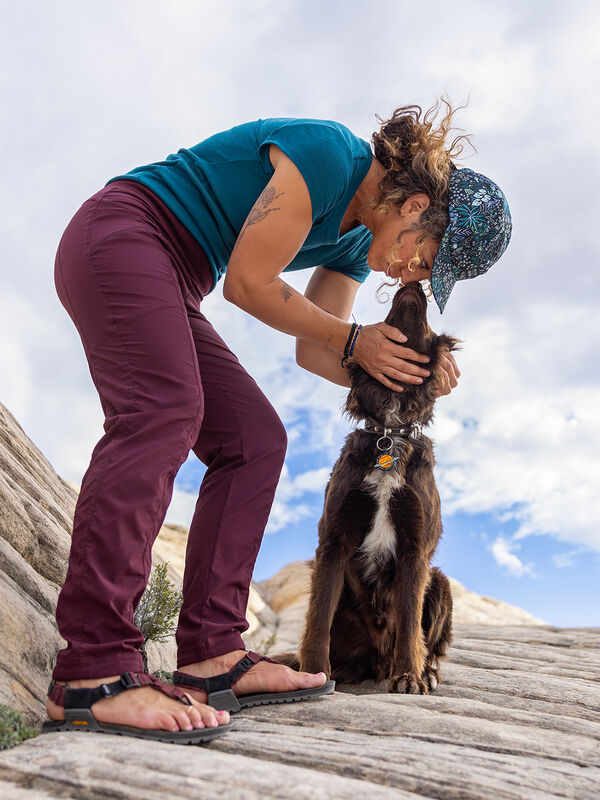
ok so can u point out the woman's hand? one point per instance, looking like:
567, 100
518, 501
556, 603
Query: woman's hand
450, 374
379, 352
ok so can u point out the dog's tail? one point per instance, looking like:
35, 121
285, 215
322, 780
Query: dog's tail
290, 659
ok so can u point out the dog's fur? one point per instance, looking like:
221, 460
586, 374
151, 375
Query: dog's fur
377, 609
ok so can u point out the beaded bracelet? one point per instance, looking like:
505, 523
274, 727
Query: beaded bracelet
358, 330
350, 342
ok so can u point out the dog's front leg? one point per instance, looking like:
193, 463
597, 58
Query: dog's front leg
410, 652
326, 588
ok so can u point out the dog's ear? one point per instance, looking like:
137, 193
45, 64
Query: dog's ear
448, 342
353, 407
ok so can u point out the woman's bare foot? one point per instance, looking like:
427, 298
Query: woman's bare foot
144, 707
261, 677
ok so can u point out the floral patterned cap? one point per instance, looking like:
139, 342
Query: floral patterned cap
477, 235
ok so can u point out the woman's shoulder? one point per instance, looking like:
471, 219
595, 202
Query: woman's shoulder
312, 129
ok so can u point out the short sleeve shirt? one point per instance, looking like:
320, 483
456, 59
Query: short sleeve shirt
212, 187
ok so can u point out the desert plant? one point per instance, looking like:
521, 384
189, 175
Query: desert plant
157, 610
267, 643
13, 729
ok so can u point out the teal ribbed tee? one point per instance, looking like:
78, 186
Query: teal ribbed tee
212, 186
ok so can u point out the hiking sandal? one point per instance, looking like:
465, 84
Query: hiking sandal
220, 694
79, 717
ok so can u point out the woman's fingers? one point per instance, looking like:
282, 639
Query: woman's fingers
395, 334
379, 352
386, 381
448, 376
454, 366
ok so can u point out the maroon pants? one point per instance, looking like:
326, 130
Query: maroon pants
132, 279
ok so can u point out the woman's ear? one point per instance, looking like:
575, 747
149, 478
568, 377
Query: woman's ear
416, 203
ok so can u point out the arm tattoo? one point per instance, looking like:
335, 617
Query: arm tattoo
286, 292
259, 211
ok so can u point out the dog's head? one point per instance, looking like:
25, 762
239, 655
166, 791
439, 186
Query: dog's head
369, 397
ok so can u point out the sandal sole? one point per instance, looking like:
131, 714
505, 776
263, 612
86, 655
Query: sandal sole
249, 700
197, 736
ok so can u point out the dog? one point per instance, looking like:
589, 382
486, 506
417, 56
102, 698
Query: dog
377, 609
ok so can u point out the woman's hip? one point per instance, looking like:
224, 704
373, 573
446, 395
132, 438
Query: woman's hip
125, 232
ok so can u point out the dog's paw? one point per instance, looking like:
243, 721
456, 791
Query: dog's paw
431, 678
408, 683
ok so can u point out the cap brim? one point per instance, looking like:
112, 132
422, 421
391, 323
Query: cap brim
442, 276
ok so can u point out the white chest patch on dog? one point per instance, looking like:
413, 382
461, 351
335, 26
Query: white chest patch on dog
380, 542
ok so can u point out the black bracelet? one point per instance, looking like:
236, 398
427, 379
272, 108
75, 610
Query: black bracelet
350, 343
358, 330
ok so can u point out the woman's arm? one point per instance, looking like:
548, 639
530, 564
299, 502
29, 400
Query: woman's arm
272, 235
334, 293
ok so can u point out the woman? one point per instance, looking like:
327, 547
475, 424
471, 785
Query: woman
132, 269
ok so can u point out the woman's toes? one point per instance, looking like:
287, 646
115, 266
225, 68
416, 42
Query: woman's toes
195, 717
210, 717
167, 722
311, 680
183, 720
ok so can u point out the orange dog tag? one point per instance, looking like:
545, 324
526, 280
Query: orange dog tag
386, 461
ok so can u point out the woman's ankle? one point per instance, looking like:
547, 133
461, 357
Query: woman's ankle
214, 665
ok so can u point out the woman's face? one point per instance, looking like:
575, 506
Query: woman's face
394, 244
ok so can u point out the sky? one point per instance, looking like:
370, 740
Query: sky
89, 91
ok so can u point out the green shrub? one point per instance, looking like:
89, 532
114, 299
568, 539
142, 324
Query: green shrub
13, 729
158, 609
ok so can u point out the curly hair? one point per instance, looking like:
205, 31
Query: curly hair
413, 150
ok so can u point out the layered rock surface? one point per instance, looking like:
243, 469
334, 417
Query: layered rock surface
516, 718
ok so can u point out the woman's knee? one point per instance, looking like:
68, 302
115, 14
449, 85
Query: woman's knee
264, 437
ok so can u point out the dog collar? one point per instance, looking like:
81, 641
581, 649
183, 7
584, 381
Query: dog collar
386, 460
408, 430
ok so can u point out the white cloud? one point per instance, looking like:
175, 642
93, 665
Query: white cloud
502, 550
519, 436
181, 508
565, 559
287, 506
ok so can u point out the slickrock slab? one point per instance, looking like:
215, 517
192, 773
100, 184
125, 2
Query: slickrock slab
36, 511
517, 717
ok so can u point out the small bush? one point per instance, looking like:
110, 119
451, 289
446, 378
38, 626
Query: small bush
158, 609
13, 729
267, 643
164, 676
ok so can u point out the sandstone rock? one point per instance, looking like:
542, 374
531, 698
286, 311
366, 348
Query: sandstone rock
290, 584
470, 608
515, 718
36, 510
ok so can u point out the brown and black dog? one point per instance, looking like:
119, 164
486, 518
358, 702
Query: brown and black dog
377, 609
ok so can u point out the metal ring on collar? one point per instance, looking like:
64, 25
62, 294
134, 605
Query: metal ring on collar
389, 447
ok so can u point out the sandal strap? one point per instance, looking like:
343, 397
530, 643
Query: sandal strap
220, 683
85, 698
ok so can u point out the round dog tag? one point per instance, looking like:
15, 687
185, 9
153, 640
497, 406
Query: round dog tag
385, 461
